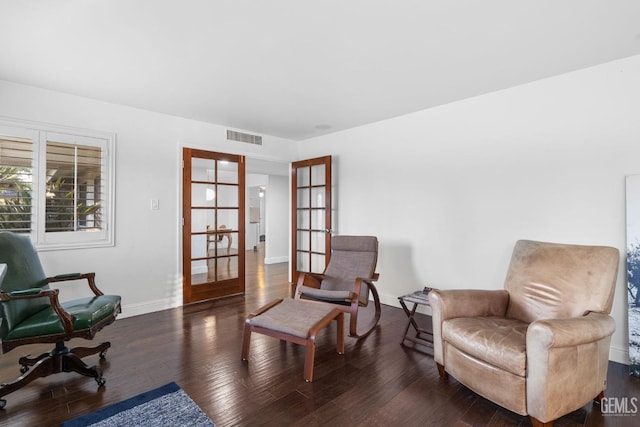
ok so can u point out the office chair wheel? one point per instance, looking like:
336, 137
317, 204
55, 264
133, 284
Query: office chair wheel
101, 381
103, 354
23, 369
3, 403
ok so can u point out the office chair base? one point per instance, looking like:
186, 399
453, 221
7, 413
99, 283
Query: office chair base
60, 359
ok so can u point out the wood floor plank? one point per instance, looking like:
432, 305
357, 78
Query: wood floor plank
378, 382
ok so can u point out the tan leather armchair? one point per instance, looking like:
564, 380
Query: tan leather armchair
540, 346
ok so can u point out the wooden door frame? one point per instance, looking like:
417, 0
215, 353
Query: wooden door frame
189, 294
326, 161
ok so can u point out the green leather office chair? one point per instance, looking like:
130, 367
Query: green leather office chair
31, 313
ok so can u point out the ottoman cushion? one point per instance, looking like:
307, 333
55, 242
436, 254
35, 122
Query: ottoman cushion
293, 317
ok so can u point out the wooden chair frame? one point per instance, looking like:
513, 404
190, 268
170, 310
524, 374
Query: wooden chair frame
309, 343
61, 358
314, 280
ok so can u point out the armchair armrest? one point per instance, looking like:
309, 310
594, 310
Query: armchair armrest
90, 277
312, 280
357, 286
563, 353
573, 331
454, 303
468, 303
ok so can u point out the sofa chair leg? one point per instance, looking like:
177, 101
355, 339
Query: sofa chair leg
443, 374
537, 423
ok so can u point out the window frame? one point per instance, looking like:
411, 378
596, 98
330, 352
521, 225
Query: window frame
40, 133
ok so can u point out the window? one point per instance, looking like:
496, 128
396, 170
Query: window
56, 184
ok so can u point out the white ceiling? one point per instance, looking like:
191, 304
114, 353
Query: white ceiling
289, 67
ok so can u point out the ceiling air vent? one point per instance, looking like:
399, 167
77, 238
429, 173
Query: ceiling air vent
244, 137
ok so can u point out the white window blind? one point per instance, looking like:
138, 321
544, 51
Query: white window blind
74, 187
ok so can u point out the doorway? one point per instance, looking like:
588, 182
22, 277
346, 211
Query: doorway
267, 221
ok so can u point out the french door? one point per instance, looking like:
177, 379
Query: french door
311, 215
213, 189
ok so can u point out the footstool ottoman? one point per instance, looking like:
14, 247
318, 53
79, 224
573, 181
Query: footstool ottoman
296, 321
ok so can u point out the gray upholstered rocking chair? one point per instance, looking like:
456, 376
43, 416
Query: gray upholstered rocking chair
347, 280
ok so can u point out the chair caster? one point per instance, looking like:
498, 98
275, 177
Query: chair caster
3, 403
103, 354
24, 369
101, 381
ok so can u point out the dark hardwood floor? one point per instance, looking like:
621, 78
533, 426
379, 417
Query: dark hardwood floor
377, 382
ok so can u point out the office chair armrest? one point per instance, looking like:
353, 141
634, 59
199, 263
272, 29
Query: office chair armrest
90, 277
65, 318
23, 292
27, 294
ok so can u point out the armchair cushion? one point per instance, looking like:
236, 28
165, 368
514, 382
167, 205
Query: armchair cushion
338, 297
495, 340
86, 313
352, 256
292, 317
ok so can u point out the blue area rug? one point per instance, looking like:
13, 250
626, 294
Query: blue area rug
167, 406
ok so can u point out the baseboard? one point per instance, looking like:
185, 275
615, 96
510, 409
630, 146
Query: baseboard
620, 355
146, 307
276, 260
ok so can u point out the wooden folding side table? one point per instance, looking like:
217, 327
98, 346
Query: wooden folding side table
421, 336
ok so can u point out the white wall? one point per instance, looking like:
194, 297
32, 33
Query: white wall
449, 190
277, 224
253, 230
144, 267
